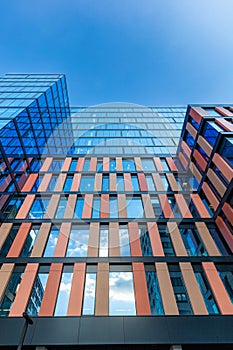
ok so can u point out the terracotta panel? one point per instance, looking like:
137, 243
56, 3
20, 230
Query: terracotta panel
142, 182
75, 183
105, 164
63, 238
225, 112
102, 290
171, 164
207, 239
119, 166
191, 130
134, 239
50, 295
200, 160
182, 205
60, 183
98, 183
66, 164
158, 182
25, 207
140, 290
80, 164
210, 196
114, 239
186, 148
183, 160
128, 182
158, 164
3, 199
104, 206
122, 212
69, 212
148, 209
113, 182
197, 113
77, 290
24, 290
220, 187
46, 164
172, 182
166, 208
176, 239
5, 275
4, 231
22, 181
225, 168
228, 211
218, 289
87, 208
24, 166
5, 184
30, 182
93, 164
45, 182
138, 164
195, 296
205, 145
93, 243
41, 240
226, 233
156, 244
52, 207
19, 240
224, 124
203, 212
166, 290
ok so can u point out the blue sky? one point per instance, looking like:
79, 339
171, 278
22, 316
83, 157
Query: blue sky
149, 52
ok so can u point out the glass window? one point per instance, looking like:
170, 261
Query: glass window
164, 163
79, 207
103, 245
37, 294
30, 241
211, 132
78, 241
150, 183
166, 241
181, 295
63, 294
61, 208
135, 207
165, 182
148, 165
206, 293
96, 208
124, 241
89, 294
38, 208
145, 241
128, 165
52, 241
121, 294
86, 166
73, 165
10, 293
112, 165
99, 167
113, 203
227, 150
56, 165
68, 183
156, 304
192, 242
105, 183
135, 183
157, 207
52, 183
120, 183
227, 279
87, 184
12, 208
9, 240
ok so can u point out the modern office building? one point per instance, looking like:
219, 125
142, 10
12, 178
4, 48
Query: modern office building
116, 222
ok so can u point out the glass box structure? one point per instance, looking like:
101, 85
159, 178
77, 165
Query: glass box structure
116, 221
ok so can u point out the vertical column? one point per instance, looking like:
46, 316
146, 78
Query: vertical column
25, 207
41, 240
87, 208
177, 241
80, 164
138, 163
102, 290
69, 212
63, 238
122, 205
128, 182
113, 183
77, 288
140, 288
93, 243
114, 239
98, 183
166, 208
52, 207
75, 183
142, 182
105, 164
24, 291
104, 206
134, 239
148, 209
93, 164
50, 295
19, 240
119, 166
66, 164
166, 290
156, 244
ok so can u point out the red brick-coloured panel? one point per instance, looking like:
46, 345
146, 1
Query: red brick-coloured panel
63, 238
30, 182
218, 185
5, 184
122, 212
22, 180
191, 130
182, 205
69, 211
105, 164
52, 207
87, 208
225, 112
25, 207
207, 239
166, 208
80, 164
93, 243
45, 182
158, 182
200, 160
41, 240
134, 239
218, 289
226, 233
138, 164
223, 166
93, 164
98, 183
114, 239
156, 244
196, 113
50, 295
148, 208
77, 290
5, 275
202, 211
158, 164
228, 211
4, 231
19, 240
176, 239
224, 124
140, 290
142, 182
186, 148
66, 164
75, 183
210, 196
172, 182
46, 165
205, 145
171, 164
102, 290
24, 291
60, 183
183, 160
128, 182
119, 166
3, 199
104, 206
